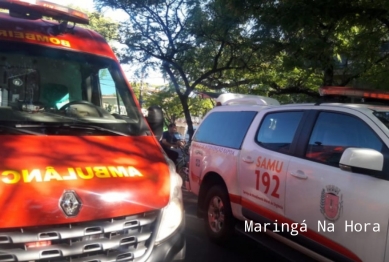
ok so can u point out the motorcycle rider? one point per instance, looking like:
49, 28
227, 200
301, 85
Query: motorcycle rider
172, 143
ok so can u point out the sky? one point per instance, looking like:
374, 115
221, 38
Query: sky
85, 4
116, 15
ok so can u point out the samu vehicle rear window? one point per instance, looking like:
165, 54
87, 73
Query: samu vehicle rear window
226, 129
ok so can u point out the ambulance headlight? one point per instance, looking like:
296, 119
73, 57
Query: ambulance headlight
173, 213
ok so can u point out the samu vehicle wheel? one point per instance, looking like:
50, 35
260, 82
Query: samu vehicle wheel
219, 221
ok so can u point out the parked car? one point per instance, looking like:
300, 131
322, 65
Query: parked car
315, 176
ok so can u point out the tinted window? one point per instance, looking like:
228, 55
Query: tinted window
277, 130
334, 132
225, 128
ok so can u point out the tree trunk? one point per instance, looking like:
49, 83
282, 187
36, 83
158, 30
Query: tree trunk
188, 118
328, 78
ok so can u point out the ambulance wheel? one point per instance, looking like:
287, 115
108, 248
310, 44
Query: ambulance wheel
219, 221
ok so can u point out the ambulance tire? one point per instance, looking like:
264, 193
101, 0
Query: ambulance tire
219, 221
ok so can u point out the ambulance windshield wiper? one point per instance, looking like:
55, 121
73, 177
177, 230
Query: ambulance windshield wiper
70, 125
91, 127
4, 128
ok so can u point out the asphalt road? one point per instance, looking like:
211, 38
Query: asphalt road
241, 248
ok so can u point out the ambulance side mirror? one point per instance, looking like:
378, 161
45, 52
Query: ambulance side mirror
155, 121
362, 160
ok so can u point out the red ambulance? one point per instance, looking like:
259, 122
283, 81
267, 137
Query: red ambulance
82, 175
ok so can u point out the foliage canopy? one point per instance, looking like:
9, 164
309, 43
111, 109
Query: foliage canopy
280, 48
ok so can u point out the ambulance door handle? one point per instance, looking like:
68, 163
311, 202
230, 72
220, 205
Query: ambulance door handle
247, 159
299, 174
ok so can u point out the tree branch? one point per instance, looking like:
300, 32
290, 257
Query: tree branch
221, 85
293, 90
346, 81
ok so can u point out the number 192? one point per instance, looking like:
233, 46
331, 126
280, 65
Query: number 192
265, 180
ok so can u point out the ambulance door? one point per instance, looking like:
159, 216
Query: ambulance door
263, 164
345, 214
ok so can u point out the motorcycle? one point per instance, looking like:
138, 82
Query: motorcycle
182, 166
182, 162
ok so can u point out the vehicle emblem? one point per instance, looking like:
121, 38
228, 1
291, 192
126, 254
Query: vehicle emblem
70, 203
17, 82
331, 203
198, 152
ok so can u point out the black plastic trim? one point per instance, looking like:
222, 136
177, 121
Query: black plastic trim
305, 133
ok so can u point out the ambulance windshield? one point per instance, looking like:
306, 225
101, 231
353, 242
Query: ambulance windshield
52, 89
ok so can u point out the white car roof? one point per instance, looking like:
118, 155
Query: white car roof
234, 99
255, 107
241, 102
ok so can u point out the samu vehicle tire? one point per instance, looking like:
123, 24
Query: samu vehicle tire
219, 221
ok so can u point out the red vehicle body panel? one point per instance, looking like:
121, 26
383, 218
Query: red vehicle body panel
35, 171
40, 32
112, 175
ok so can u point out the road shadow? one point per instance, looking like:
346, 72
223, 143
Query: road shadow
200, 248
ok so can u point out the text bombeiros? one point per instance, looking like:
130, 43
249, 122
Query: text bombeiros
322, 226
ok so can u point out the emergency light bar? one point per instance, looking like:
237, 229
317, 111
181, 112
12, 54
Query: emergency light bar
353, 92
35, 9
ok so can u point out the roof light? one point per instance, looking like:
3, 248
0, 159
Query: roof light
353, 92
240, 99
53, 6
79, 14
44, 8
64, 9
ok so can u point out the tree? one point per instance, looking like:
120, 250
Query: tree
166, 98
336, 42
105, 26
176, 37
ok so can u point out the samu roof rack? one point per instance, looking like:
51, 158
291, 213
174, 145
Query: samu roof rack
240, 99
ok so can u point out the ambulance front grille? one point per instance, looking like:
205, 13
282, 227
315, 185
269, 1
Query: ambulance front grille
115, 239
